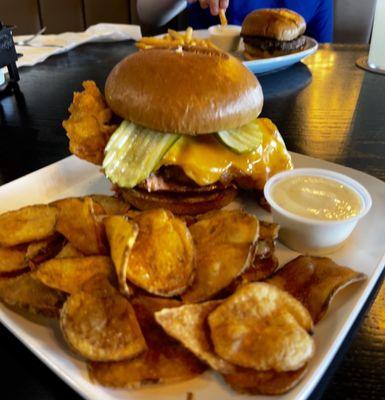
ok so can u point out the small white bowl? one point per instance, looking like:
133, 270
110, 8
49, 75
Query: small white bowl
225, 37
311, 236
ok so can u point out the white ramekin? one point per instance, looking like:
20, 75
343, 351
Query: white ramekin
311, 236
228, 39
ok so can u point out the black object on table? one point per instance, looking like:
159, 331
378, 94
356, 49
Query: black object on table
326, 108
8, 55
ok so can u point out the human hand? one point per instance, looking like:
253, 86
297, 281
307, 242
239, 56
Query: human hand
215, 5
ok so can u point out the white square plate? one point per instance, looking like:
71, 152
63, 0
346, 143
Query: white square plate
364, 252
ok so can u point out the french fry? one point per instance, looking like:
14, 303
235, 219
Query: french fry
188, 35
176, 35
222, 17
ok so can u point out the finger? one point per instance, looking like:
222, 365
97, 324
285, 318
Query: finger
204, 3
214, 7
223, 4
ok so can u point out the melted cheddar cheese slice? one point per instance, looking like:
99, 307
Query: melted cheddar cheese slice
206, 160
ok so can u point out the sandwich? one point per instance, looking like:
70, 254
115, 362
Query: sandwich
272, 32
178, 129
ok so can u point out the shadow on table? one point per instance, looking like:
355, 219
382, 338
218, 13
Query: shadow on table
286, 82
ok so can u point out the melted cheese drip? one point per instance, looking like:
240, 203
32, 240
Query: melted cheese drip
317, 198
206, 160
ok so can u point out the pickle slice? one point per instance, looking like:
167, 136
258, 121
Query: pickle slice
133, 152
243, 139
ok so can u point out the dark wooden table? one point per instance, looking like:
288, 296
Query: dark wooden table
325, 108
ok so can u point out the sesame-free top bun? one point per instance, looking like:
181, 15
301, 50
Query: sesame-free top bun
275, 23
194, 91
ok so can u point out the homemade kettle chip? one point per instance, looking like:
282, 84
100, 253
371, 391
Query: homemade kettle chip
249, 381
78, 223
121, 234
69, 274
38, 252
262, 327
162, 259
163, 364
27, 292
187, 324
100, 324
111, 204
314, 281
69, 250
224, 249
12, 261
27, 224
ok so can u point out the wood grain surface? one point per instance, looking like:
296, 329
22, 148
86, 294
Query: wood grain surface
325, 107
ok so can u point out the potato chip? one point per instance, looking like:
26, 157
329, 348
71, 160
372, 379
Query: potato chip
314, 281
187, 324
165, 364
27, 224
162, 259
112, 205
77, 222
69, 251
224, 249
254, 382
100, 324
69, 274
145, 308
27, 292
38, 252
121, 234
12, 261
262, 327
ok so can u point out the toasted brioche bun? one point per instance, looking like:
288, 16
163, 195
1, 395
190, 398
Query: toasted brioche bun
195, 91
279, 24
189, 204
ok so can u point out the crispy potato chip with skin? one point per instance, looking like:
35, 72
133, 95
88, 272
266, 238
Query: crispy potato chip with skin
112, 205
164, 364
145, 307
77, 222
100, 324
69, 274
27, 224
314, 281
121, 234
224, 242
38, 252
27, 292
262, 327
68, 251
187, 324
12, 261
165, 361
162, 259
249, 381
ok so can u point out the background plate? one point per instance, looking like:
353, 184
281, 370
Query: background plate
364, 251
269, 65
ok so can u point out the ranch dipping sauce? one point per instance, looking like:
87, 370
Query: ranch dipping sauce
317, 198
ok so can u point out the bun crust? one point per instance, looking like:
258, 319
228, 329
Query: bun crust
192, 92
278, 23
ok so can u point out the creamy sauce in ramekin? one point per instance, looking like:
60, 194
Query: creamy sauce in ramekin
317, 198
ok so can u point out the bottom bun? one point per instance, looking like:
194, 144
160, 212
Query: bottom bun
180, 204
